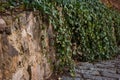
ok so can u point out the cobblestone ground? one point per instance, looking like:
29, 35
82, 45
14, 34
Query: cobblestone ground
104, 70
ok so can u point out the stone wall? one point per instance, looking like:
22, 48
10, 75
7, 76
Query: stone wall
113, 3
25, 47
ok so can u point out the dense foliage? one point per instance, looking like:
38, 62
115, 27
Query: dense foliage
84, 28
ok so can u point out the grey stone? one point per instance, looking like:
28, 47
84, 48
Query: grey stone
86, 64
110, 62
106, 70
110, 75
78, 75
70, 78
92, 72
118, 71
86, 67
83, 67
104, 65
91, 77
118, 66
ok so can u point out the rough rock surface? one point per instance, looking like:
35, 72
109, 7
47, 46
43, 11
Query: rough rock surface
25, 47
112, 3
103, 70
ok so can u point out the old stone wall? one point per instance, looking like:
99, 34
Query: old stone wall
26, 52
112, 3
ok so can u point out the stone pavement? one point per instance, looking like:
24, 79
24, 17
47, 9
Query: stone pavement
104, 70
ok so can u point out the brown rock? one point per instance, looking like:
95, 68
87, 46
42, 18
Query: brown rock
18, 74
112, 3
21, 53
2, 25
0, 75
35, 71
115, 3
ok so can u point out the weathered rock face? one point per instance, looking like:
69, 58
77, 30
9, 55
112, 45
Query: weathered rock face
113, 3
24, 47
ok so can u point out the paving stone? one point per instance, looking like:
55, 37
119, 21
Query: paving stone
92, 72
118, 65
86, 64
110, 75
85, 67
104, 66
70, 78
118, 71
78, 75
118, 57
110, 62
91, 77
116, 61
106, 70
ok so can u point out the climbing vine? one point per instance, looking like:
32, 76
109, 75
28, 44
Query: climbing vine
83, 28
